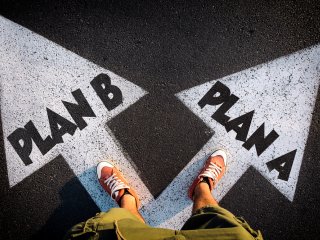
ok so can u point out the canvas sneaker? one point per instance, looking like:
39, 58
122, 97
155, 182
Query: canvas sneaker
114, 183
213, 170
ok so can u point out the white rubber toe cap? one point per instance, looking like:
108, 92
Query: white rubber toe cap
222, 153
102, 165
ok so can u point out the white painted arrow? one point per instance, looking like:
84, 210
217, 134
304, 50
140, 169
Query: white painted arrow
37, 74
282, 93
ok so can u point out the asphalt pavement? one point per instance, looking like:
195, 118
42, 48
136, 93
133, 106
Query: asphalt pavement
164, 48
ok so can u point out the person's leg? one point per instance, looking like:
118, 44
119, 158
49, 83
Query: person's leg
206, 213
210, 174
117, 186
202, 197
129, 202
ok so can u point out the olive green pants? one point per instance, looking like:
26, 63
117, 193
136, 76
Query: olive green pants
210, 222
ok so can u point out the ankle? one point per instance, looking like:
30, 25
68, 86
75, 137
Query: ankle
202, 189
128, 201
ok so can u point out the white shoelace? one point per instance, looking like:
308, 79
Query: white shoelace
115, 185
212, 171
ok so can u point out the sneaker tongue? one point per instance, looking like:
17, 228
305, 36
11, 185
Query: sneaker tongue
209, 181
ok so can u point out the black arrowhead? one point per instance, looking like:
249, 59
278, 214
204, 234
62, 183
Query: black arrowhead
159, 143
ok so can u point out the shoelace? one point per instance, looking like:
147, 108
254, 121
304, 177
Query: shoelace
115, 185
212, 171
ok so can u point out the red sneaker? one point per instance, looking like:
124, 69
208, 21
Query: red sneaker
213, 170
113, 182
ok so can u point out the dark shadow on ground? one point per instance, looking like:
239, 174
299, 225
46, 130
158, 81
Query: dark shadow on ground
75, 206
45, 204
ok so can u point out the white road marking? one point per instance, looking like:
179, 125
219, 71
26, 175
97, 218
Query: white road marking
37, 74
282, 93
